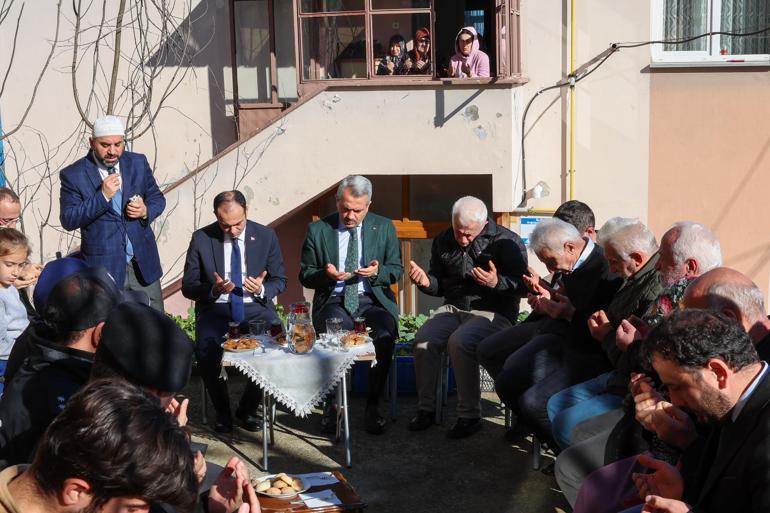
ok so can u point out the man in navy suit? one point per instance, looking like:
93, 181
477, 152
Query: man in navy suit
112, 197
233, 270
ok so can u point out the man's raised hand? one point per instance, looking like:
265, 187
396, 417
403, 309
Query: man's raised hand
221, 286
599, 325
254, 285
417, 275
334, 274
370, 270
485, 278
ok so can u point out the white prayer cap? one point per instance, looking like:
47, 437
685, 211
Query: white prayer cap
108, 125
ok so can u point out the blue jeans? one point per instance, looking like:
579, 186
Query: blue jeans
573, 405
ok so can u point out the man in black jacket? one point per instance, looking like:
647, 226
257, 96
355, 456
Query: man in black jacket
477, 266
59, 363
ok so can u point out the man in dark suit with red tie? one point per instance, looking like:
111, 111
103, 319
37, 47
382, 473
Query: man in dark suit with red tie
233, 270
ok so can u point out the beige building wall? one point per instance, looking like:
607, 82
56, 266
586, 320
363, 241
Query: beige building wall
710, 155
398, 131
612, 105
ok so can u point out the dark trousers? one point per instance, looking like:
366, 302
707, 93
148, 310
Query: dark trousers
538, 370
494, 350
211, 325
384, 333
135, 282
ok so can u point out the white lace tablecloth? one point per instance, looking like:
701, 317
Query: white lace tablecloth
299, 381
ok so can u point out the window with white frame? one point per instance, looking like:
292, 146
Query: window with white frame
683, 19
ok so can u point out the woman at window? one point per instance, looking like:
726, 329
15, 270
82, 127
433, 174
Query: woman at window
418, 60
393, 62
468, 61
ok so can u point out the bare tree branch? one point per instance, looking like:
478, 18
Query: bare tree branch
116, 57
39, 78
13, 49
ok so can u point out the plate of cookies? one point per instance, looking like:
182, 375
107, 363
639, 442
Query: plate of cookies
240, 345
280, 486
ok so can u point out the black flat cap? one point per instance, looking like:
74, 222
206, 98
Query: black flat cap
148, 346
81, 300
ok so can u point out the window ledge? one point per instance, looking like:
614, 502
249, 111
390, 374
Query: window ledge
726, 63
422, 82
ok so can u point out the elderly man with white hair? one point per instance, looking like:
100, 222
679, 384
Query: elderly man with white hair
477, 266
552, 349
687, 250
632, 252
111, 195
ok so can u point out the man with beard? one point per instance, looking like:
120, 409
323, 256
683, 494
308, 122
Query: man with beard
711, 369
112, 197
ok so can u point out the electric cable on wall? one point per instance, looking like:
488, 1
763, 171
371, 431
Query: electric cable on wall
592, 65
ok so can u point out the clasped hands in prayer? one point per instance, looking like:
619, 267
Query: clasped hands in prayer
486, 278
371, 269
662, 488
250, 284
546, 300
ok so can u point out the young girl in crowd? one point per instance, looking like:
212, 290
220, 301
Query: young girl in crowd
393, 63
14, 251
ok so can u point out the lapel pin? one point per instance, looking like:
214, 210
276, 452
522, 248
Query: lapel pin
252, 238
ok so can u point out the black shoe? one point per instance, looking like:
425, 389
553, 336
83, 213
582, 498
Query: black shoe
329, 419
548, 470
464, 428
422, 421
249, 421
374, 423
223, 425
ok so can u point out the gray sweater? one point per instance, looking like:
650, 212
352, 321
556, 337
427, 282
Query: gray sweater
13, 319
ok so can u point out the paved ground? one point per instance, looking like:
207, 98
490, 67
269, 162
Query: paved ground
399, 471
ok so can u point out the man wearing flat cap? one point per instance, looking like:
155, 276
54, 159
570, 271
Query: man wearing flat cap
112, 197
58, 363
146, 348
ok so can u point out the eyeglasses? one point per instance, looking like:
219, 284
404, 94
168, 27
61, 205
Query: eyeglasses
424, 40
465, 41
5, 221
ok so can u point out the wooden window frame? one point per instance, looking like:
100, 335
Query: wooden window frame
507, 12
273, 103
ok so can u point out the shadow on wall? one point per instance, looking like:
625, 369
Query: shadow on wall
208, 46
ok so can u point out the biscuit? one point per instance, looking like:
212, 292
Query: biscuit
263, 485
273, 491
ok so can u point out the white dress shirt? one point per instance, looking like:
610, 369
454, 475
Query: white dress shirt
103, 173
343, 237
228, 246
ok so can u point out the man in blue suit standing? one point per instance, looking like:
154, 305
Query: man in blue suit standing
233, 270
112, 197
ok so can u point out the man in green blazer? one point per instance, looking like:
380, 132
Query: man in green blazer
351, 258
